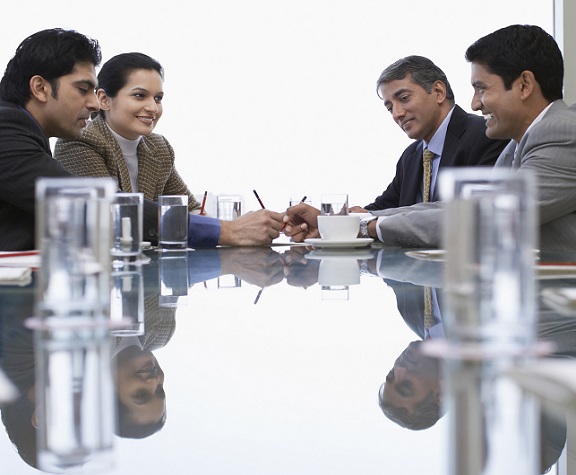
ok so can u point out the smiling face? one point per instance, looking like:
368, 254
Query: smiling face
65, 111
417, 112
137, 107
140, 385
502, 108
412, 379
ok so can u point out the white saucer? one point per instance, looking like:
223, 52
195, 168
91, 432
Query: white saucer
358, 242
428, 254
340, 254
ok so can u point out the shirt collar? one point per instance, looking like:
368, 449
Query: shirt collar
534, 122
436, 143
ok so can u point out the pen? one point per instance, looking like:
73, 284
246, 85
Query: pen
259, 200
258, 296
203, 203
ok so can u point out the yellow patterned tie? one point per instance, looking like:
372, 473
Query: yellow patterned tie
428, 315
427, 163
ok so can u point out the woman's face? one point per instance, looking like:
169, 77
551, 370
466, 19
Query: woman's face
137, 107
140, 385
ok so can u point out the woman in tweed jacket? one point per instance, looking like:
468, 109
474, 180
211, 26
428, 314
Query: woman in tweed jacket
119, 142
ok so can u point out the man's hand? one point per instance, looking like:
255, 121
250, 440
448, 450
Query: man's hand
261, 266
358, 209
257, 228
301, 222
299, 271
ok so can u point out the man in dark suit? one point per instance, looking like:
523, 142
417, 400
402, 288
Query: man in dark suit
418, 95
48, 91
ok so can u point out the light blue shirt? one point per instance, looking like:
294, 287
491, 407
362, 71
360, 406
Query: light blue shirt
436, 145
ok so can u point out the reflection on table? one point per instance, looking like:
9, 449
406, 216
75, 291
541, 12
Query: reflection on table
243, 364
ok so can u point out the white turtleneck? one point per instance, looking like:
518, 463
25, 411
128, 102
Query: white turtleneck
129, 150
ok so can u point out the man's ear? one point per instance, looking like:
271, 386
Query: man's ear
103, 99
527, 83
36, 418
439, 90
40, 89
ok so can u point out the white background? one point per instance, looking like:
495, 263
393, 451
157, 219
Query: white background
280, 96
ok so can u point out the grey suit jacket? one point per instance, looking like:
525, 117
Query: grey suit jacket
549, 149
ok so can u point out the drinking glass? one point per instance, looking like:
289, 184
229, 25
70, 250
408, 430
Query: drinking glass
173, 222
334, 205
229, 207
127, 224
73, 235
490, 241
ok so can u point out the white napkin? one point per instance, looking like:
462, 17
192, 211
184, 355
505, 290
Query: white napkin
20, 259
15, 275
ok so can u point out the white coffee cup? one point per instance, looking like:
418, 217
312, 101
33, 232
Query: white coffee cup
339, 228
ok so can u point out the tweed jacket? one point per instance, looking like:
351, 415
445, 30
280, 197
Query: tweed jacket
97, 153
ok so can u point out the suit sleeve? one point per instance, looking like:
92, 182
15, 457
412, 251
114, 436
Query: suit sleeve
82, 158
24, 157
414, 226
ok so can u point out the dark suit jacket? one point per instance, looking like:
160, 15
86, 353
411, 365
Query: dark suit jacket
25, 156
465, 145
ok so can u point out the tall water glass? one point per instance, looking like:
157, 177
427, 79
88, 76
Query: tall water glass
490, 239
73, 235
173, 222
127, 225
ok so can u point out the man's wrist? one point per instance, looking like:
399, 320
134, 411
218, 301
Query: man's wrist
368, 227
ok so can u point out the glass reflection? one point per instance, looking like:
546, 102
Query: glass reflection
137, 383
511, 432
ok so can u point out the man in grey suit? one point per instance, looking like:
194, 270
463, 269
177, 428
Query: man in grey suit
517, 75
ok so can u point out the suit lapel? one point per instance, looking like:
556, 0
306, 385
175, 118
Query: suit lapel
146, 168
120, 169
412, 177
506, 157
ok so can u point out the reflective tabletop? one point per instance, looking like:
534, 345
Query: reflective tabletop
272, 361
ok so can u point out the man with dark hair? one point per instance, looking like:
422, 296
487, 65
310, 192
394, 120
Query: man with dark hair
48, 91
418, 95
517, 75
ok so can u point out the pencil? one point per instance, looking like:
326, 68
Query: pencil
203, 203
259, 200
